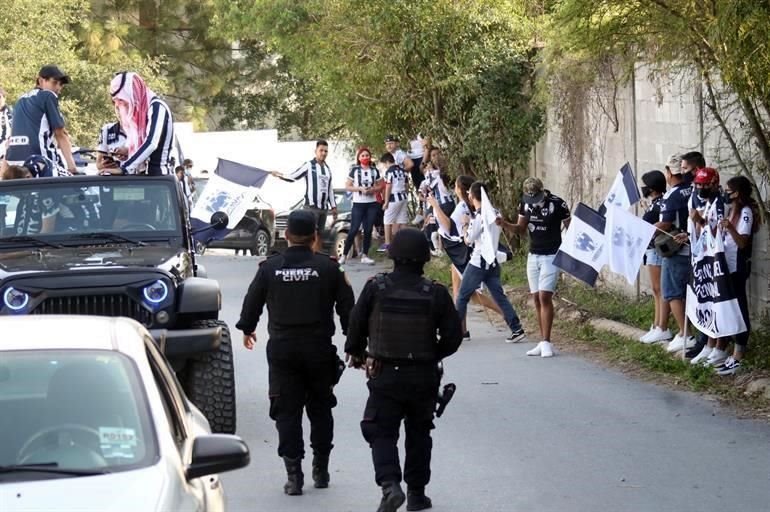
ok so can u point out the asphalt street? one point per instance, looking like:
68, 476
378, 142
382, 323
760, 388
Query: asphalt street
522, 434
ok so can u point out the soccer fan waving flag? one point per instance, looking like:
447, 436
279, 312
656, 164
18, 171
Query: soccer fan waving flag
147, 122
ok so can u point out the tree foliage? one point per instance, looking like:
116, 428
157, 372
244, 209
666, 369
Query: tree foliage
726, 41
461, 71
39, 32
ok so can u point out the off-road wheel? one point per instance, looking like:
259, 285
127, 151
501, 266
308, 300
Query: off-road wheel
209, 381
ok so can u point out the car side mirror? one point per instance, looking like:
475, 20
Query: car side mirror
217, 453
219, 220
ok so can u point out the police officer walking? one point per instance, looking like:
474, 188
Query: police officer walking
393, 333
300, 288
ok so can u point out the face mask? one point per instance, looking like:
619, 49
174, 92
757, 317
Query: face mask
727, 198
365, 160
646, 191
704, 193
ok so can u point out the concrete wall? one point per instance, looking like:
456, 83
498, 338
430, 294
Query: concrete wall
654, 120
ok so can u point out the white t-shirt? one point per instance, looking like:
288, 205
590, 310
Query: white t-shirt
744, 227
399, 156
457, 219
363, 177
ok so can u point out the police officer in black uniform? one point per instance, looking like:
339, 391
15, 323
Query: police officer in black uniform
393, 334
301, 289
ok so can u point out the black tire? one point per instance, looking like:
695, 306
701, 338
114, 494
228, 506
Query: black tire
261, 243
209, 381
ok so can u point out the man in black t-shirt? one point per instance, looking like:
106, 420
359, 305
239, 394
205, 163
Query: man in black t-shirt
542, 214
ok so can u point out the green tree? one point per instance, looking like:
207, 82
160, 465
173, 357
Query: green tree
461, 71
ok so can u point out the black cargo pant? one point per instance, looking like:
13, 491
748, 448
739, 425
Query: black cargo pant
401, 393
303, 380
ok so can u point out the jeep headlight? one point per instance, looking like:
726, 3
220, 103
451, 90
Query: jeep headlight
156, 292
15, 300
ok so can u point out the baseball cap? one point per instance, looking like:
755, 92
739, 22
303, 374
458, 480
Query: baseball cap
390, 138
51, 71
301, 223
533, 190
706, 176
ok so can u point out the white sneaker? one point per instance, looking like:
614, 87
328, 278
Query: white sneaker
702, 356
676, 344
657, 336
366, 260
538, 350
341, 261
546, 349
716, 358
648, 333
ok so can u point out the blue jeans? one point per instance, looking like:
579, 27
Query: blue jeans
362, 214
674, 276
472, 279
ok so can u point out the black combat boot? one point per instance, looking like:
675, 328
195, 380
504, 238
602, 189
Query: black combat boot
321, 471
416, 499
392, 497
295, 480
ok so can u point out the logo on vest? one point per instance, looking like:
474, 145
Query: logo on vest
296, 274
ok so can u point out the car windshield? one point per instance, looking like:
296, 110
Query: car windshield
76, 410
62, 209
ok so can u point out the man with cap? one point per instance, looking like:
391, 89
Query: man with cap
301, 290
542, 214
393, 334
391, 146
38, 125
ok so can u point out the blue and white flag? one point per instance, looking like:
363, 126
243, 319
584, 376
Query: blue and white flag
230, 190
583, 251
624, 192
630, 237
711, 303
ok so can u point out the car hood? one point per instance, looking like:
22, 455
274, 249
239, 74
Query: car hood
128, 491
81, 257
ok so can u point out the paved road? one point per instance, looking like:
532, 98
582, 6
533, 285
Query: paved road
522, 434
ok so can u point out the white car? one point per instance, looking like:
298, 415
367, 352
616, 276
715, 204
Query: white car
93, 419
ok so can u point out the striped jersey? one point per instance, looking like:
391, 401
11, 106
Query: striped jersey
156, 148
111, 137
396, 176
5, 128
35, 117
435, 184
366, 178
318, 184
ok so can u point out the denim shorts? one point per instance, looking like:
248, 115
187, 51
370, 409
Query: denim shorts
652, 258
542, 274
675, 274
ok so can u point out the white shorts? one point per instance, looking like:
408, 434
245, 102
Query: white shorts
542, 274
396, 213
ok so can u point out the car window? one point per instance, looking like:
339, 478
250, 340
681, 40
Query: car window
124, 206
78, 409
171, 395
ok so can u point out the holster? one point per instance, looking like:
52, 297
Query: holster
373, 367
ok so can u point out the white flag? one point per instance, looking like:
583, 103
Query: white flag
490, 236
624, 191
583, 250
629, 236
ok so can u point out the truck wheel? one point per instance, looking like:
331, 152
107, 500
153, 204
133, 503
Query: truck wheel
209, 381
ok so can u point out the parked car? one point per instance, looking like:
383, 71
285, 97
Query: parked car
93, 418
253, 233
336, 231
120, 246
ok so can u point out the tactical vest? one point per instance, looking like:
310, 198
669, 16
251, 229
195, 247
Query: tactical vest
402, 324
294, 293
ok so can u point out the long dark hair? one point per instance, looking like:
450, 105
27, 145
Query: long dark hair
742, 186
463, 183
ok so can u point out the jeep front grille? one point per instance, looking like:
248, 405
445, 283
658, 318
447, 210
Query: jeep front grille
281, 222
99, 305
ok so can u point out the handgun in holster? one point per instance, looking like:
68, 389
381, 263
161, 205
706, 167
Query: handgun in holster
445, 394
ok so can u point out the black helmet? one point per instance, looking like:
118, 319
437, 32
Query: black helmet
409, 244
